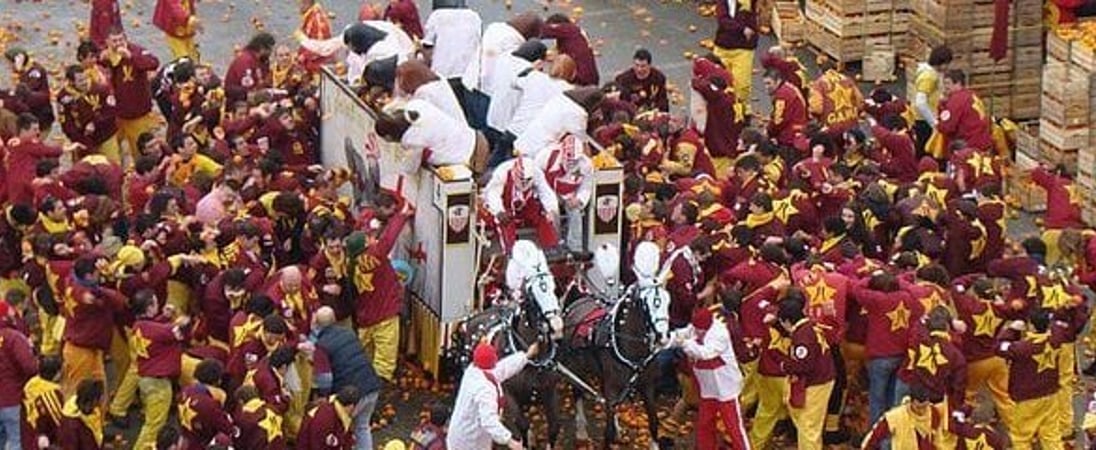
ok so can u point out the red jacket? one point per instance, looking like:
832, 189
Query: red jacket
1033, 358
963, 116
75, 435
571, 41
159, 348
789, 116
725, 122
324, 428
38, 97
129, 78
379, 291
809, 360
247, 73
96, 107
269, 384
1063, 203
731, 31
827, 300
202, 416
256, 422
22, 158
17, 365
935, 362
89, 314
173, 17
902, 161
890, 315
983, 319
104, 16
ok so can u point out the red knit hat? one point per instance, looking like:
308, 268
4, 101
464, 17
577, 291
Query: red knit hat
484, 356
702, 318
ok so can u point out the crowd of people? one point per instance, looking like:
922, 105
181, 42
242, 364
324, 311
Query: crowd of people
187, 237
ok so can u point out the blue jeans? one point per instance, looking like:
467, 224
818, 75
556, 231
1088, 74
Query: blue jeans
9, 428
884, 387
363, 434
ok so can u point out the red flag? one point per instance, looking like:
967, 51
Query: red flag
998, 43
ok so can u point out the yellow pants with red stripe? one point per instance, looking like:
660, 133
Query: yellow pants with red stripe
811, 418
1035, 419
382, 343
772, 393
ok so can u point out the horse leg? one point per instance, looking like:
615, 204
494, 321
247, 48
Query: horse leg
611, 427
550, 401
582, 432
515, 414
652, 414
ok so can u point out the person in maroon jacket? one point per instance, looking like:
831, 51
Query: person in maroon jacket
725, 116
934, 361
736, 41
178, 19
899, 156
24, 152
327, 426
268, 377
1063, 199
130, 66
202, 407
89, 311
17, 365
250, 70
1032, 349
789, 116
405, 14
32, 89
105, 16
42, 403
572, 41
87, 114
810, 371
81, 418
259, 426
643, 85
963, 115
890, 313
158, 344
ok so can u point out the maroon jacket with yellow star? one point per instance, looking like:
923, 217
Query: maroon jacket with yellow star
890, 315
202, 416
1033, 361
89, 314
260, 427
96, 107
327, 426
809, 362
159, 348
935, 362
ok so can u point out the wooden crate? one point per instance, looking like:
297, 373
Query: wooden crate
847, 49
788, 22
1027, 140
963, 15
1083, 56
1058, 48
1060, 138
888, 22
1065, 114
879, 63
850, 7
1054, 156
1022, 192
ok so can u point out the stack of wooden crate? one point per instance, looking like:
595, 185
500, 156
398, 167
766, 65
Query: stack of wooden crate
846, 30
1009, 87
789, 26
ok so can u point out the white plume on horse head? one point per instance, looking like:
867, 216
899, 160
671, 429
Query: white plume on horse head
529, 265
645, 264
607, 262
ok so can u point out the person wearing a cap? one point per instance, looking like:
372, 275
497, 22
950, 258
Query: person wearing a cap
708, 345
475, 423
518, 194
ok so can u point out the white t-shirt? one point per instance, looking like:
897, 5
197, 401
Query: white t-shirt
499, 39
558, 117
502, 90
396, 43
455, 36
534, 89
440, 94
450, 141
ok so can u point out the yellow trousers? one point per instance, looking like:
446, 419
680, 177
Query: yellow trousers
181, 47
80, 363
298, 402
126, 394
382, 343
188, 365
740, 63
811, 418
110, 150
771, 408
1067, 379
121, 356
130, 129
1035, 419
156, 399
991, 373
748, 398
53, 328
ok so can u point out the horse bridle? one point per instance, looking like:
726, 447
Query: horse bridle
530, 310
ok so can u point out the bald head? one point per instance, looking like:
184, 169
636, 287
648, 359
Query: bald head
291, 279
325, 316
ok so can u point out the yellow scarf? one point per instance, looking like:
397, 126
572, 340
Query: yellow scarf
341, 411
754, 220
54, 226
294, 300
336, 262
831, 243
93, 421
905, 426
253, 405
40, 388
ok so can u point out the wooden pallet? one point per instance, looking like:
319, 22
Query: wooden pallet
972, 38
845, 50
855, 7
961, 16
1064, 114
1054, 156
844, 26
1061, 138
1058, 48
789, 25
1027, 140
1083, 56
1019, 106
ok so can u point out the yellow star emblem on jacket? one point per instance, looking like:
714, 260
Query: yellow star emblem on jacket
899, 317
1046, 359
784, 209
979, 443
272, 424
1055, 296
187, 414
779, 342
936, 193
927, 357
982, 164
819, 293
986, 323
140, 344
932, 300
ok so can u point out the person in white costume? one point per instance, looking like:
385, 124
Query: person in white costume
475, 423
571, 174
